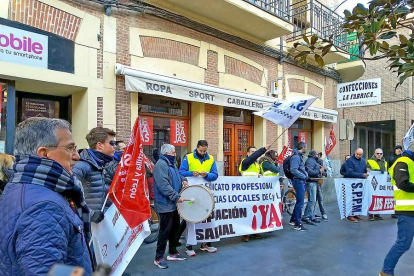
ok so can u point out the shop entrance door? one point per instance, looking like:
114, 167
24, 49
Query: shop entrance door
236, 140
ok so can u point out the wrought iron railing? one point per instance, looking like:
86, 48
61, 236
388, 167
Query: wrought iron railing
353, 48
312, 17
279, 8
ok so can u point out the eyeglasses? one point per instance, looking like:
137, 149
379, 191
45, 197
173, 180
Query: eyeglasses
379, 153
112, 143
71, 149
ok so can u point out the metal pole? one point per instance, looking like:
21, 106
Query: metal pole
10, 116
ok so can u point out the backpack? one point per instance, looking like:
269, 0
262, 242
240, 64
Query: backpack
286, 167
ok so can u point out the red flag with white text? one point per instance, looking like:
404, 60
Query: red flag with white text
286, 152
129, 191
331, 142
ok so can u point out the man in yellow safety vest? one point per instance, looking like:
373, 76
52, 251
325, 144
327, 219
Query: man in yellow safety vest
377, 163
199, 163
402, 179
250, 167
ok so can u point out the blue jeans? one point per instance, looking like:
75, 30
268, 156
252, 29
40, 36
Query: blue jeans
299, 186
319, 200
310, 207
404, 239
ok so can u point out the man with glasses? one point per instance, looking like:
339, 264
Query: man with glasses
43, 212
94, 170
377, 163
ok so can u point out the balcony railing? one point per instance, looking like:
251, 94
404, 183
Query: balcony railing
353, 48
312, 17
279, 8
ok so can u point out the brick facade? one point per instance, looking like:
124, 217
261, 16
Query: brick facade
47, 18
99, 117
169, 49
243, 70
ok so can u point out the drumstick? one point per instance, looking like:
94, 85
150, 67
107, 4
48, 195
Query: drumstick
192, 200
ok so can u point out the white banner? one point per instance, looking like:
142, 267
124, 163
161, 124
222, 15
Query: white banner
351, 193
373, 195
358, 93
287, 112
381, 193
23, 47
243, 206
196, 95
114, 243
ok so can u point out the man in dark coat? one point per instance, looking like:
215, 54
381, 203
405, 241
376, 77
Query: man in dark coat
43, 214
95, 168
167, 187
314, 170
356, 167
396, 153
297, 167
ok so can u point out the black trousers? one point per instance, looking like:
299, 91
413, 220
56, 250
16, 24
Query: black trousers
169, 231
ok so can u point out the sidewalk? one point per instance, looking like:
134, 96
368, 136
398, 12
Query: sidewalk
334, 248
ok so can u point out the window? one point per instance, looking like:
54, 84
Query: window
164, 121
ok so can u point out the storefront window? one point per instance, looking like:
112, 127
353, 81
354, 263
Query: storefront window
164, 121
3, 101
39, 108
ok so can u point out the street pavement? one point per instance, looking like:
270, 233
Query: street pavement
334, 248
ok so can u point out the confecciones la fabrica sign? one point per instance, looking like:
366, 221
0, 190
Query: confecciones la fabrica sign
359, 93
23, 47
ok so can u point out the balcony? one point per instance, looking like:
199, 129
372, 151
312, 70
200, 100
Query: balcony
353, 68
311, 17
256, 20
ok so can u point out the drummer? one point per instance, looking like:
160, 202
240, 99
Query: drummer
199, 164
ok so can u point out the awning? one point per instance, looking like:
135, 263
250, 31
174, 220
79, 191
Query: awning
154, 84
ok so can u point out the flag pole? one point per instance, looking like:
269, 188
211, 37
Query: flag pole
278, 137
106, 199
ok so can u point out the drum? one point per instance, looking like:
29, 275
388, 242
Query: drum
198, 203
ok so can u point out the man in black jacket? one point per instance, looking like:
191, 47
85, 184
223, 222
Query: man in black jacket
397, 152
314, 170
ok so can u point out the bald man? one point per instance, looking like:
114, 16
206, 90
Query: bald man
356, 167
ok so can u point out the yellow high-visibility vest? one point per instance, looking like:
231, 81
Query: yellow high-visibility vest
194, 164
266, 173
374, 165
403, 201
253, 170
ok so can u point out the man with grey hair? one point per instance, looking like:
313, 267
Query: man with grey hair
43, 212
167, 187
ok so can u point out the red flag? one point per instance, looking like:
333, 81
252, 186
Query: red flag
330, 144
129, 191
286, 152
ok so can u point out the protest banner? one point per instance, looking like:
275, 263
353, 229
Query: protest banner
243, 206
115, 243
373, 195
380, 193
352, 195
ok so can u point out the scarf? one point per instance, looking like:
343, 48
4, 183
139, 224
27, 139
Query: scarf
100, 158
51, 175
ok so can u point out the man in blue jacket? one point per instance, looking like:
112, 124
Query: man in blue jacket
314, 170
95, 168
297, 167
356, 167
43, 214
167, 187
199, 163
